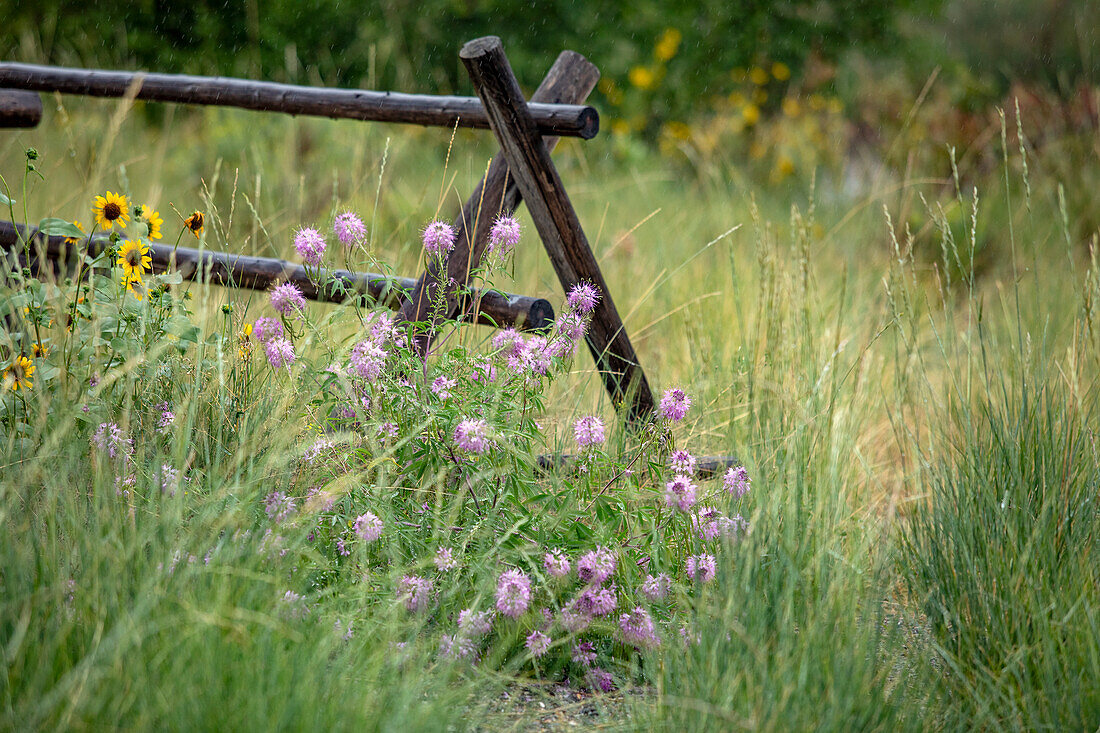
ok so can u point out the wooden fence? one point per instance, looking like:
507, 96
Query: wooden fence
522, 171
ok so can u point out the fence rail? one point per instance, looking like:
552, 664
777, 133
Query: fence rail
568, 120
488, 307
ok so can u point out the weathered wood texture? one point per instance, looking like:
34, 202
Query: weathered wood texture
557, 222
353, 104
19, 108
261, 273
570, 80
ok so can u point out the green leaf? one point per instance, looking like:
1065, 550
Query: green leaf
5, 201
171, 278
59, 228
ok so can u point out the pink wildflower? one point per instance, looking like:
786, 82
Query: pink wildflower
414, 591
675, 404
656, 587
598, 679
584, 654
475, 623
583, 297
349, 229
680, 493
110, 439
513, 593
368, 527
280, 353
701, 567
588, 431
288, 300
504, 235
737, 481
367, 359
445, 560
538, 643
441, 387
472, 436
556, 563
266, 328
596, 566
310, 246
682, 462
638, 629
439, 239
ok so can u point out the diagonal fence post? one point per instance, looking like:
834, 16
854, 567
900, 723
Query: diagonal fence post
570, 80
556, 220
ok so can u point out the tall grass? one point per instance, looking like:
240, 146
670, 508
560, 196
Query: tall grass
921, 436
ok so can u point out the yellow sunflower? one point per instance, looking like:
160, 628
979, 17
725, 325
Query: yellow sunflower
194, 223
20, 373
136, 288
151, 219
134, 260
110, 210
73, 240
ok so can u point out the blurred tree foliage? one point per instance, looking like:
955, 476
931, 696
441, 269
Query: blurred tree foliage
414, 46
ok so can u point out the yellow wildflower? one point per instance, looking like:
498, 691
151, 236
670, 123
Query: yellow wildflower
791, 107
194, 224
73, 240
134, 260
781, 71
751, 114
758, 76
110, 210
151, 219
668, 44
20, 373
642, 77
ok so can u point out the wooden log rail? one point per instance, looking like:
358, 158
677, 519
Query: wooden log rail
487, 307
19, 108
568, 120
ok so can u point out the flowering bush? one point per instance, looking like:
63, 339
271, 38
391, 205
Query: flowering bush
412, 477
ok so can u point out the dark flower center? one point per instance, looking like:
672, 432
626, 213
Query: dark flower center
112, 211
133, 258
195, 222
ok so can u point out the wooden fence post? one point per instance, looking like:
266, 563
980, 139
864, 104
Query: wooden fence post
570, 80
556, 220
19, 108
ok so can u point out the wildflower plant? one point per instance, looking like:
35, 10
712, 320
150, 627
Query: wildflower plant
406, 480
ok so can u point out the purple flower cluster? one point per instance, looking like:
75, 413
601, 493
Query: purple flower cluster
583, 297
737, 481
349, 229
674, 404
701, 567
415, 592
110, 439
368, 527
682, 462
475, 623
280, 353
596, 566
588, 431
504, 235
584, 654
439, 239
538, 643
441, 387
310, 246
513, 593
167, 417
599, 679
556, 563
472, 436
445, 559
288, 300
278, 506
710, 524
266, 328
637, 628
680, 493
657, 587
367, 359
